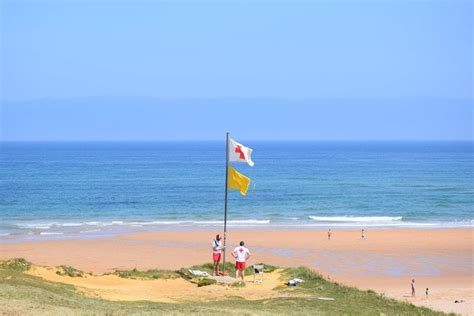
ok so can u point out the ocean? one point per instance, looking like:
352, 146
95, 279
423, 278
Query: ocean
51, 190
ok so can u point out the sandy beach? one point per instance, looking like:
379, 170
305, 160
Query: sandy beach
385, 261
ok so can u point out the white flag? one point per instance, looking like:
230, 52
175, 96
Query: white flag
240, 153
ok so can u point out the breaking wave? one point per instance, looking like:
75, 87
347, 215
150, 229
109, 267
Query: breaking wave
356, 219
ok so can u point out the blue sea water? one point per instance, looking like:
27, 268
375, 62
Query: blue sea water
57, 190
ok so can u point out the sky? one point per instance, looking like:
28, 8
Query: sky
191, 70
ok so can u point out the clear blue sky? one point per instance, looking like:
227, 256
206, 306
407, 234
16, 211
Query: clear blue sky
98, 70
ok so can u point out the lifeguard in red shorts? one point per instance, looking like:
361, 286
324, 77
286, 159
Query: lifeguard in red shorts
216, 254
241, 254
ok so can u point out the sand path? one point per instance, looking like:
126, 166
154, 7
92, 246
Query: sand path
112, 287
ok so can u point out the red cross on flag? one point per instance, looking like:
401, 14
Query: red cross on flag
240, 153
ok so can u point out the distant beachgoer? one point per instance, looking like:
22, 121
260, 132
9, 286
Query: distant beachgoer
329, 234
413, 287
426, 293
363, 234
216, 254
241, 255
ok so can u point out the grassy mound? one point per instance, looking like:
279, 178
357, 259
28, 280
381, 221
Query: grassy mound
230, 268
16, 264
148, 274
70, 271
183, 272
21, 293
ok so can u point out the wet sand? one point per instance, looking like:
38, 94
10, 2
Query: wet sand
385, 261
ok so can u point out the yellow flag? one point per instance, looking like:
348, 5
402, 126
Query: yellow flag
237, 181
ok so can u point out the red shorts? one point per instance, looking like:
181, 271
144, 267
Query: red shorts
216, 256
240, 265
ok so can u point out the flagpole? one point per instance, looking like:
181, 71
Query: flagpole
225, 195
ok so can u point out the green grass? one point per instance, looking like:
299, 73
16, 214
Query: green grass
367, 302
238, 284
16, 264
24, 294
148, 274
205, 282
230, 268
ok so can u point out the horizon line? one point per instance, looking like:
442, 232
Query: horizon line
234, 97
223, 139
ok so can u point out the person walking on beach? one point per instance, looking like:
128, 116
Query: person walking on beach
426, 293
329, 234
413, 287
363, 234
216, 254
241, 255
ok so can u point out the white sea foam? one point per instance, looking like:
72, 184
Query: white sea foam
89, 231
317, 222
235, 222
160, 223
36, 225
69, 224
356, 219
373, 224
49, 225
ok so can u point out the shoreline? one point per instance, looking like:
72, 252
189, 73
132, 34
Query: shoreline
93, 234
448, 240
386, 261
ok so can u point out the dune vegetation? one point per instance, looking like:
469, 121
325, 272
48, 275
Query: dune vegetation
26, 294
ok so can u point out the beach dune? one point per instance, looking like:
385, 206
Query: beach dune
385, 261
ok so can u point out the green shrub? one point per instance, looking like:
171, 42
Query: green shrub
70, 271
184, 273
205, 282
16, 264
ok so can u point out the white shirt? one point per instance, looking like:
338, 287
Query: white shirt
216, 246
240, 253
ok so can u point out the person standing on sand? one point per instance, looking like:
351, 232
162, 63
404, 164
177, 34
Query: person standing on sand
363, 234
413, 287
241, 254
329, 234
216, 254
